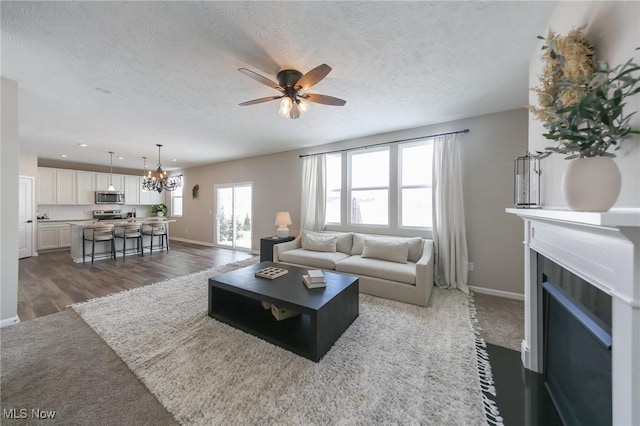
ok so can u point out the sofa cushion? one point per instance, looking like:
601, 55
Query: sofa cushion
393, 251
316, 259
415, 244
317, 242
401, 272
343, 243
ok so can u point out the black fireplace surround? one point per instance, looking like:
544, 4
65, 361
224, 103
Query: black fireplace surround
576, 324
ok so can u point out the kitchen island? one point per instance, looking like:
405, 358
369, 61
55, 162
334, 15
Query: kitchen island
103, 248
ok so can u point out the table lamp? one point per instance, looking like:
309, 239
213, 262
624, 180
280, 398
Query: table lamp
283, 220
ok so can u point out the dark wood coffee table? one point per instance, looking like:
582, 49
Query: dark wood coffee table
235, 298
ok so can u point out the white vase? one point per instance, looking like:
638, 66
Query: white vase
591, 184
160, 214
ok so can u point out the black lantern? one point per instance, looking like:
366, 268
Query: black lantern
526, 181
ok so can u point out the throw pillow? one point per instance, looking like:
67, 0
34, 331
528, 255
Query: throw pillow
358, 242
415, 245
343, 243
415, 249
319, 243
393, 251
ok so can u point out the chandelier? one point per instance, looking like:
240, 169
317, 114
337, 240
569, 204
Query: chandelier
158, 180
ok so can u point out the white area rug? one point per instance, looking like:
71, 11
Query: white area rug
396, 364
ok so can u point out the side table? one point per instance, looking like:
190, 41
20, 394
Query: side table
266, 246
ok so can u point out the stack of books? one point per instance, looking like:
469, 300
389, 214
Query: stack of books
314, 279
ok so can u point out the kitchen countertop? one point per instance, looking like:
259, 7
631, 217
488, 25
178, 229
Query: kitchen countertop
59, 220
88, 223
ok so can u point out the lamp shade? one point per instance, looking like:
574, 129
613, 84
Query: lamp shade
283, 219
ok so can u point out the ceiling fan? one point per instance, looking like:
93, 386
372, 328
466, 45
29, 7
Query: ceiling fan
290, 84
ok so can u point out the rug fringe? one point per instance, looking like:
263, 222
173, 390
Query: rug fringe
484, 370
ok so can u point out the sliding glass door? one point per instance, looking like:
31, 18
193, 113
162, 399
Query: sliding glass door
233, 215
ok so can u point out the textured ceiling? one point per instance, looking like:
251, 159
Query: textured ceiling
124, 76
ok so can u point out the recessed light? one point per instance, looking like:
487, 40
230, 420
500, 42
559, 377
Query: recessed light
173, 159
120, 158
63, 155
83, 145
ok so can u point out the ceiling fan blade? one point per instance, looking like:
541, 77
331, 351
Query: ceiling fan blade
323, 99
260, 100
260, 79
313, 77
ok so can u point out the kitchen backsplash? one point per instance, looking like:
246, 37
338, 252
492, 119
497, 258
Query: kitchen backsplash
86, 212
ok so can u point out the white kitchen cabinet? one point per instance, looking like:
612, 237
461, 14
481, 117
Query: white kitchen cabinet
86, 188
56, 186
66, 186
53, 235
78, 187
47, 238
64, 236
132, 189
47, 183
149, 198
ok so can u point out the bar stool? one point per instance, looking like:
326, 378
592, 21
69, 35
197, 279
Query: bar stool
99, 232
157, 229
127, 231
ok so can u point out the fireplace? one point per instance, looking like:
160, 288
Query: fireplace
576, 333
602, 250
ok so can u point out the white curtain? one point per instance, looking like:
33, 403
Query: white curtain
313, 193
449, 231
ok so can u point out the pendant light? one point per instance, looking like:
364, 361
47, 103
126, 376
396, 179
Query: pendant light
145, 177
111, 188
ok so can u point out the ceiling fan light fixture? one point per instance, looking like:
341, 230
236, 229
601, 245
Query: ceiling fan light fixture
290, 84
295, 111
285, 106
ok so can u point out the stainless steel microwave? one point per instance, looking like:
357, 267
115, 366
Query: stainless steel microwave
109, 197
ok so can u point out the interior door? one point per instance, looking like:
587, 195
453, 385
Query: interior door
25, 217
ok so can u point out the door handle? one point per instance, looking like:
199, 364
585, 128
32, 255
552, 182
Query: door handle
30, 221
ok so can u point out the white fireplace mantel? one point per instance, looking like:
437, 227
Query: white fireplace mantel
603, 249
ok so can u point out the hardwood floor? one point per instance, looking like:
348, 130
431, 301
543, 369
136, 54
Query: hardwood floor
50, 282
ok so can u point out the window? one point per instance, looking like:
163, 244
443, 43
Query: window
416, 162
388, 186
369, 189
233, 215
176, 198
334, 188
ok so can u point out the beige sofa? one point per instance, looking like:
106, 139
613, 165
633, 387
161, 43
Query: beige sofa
397, 268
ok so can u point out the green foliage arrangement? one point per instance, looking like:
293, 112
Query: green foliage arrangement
581, 101
159, 208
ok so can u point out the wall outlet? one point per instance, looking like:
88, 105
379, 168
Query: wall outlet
472, 266
186, 231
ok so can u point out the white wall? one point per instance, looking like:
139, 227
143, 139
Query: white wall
613, 28
28, 163
9, 158
495, 238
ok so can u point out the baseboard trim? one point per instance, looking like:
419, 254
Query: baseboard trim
9, 321
202, 243
498, 293
185, 240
